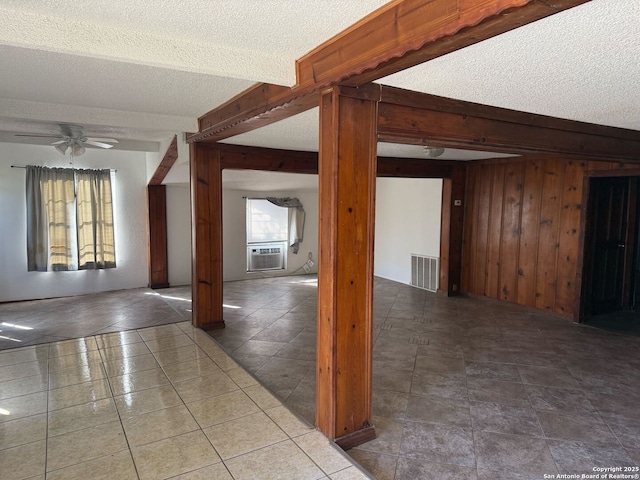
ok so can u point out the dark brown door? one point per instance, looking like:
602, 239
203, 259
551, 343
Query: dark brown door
611, 231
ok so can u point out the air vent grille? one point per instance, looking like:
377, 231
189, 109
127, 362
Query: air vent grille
425, 272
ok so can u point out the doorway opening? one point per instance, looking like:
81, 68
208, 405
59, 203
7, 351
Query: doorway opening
611, 275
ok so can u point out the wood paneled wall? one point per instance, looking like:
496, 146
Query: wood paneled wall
522, 231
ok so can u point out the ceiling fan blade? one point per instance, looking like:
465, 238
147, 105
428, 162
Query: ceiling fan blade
98, 144
95, 139
59, 142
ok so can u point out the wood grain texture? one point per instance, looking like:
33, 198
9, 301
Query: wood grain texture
524, 230
347, 172
459, 124
546, 278
259, 105
568, 239
401, 34
451, 231
405, 33
206, 237
158, 254
470, 213
484, 187
168, 159
511, 233
494, 253
529, 232
239, 157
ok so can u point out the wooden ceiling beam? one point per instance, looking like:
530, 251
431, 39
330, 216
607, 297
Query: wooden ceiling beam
405, 33
415, 167
401, 34
170, 157
239, 157
421, 119
258, 106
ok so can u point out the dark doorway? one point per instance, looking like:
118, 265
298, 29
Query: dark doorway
610, 257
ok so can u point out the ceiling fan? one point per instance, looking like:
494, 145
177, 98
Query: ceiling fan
72, 137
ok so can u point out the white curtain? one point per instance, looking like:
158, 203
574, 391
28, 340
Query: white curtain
96, 239
69, 229
50, 219
296, 220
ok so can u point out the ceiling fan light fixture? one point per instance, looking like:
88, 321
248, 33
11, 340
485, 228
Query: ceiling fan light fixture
77, 150
62, 148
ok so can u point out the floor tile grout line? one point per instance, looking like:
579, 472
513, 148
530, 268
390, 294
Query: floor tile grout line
201, 428
124, 433
46, 437
282, 404
473, 436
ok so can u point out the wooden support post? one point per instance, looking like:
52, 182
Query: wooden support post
451, 231
206, 237
158, 263
347, 175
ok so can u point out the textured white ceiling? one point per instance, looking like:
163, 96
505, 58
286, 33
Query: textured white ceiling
149, 70
146, 70
581, 64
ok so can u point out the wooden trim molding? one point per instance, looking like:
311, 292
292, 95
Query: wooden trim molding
356, 438
260, 105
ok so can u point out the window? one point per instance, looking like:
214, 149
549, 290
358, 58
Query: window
267, 235
266, 222
69, 219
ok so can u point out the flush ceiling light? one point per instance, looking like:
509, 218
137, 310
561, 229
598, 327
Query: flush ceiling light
433, 152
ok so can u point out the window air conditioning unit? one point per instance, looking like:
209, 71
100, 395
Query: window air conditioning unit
267, 256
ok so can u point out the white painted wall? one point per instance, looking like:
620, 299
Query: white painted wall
234, 233
408, 215
179, 234
407, 221
130, 225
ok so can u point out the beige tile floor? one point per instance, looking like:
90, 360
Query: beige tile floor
152, 403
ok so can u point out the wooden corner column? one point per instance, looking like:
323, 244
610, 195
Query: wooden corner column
206, 237
451, 231
347, 176
158, 257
